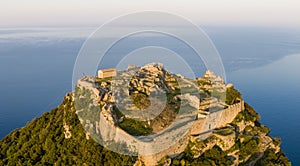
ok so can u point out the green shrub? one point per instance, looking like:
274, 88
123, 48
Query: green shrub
264, 129
140, 100
224, 132
42, 142
270, 157
232, 95
239, 117
135, 127
248, 148
276, 141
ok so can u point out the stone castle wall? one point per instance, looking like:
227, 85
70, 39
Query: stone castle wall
230, 113
216, 119
151, 151
197, 126
174, 150
202, 127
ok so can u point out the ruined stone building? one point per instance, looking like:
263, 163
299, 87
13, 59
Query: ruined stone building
104, 73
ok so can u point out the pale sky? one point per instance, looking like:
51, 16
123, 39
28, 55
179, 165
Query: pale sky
19, 13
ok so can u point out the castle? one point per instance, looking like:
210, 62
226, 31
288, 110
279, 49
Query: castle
201, 128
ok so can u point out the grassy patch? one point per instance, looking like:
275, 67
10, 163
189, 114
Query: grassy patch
141, 101
135, 127
224, 132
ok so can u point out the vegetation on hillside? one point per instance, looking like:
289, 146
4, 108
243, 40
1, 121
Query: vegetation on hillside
247, 115
135, 127
42, 142
140, 100
214, 156
247, 146
232, 95
271, 158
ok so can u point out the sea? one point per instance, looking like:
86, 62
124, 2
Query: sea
263, 63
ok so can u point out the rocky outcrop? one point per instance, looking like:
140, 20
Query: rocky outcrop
220, 134
212, 125
150, 78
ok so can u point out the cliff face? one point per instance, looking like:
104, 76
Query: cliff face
65, 135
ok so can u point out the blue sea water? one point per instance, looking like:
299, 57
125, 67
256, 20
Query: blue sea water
36, 66
274, 91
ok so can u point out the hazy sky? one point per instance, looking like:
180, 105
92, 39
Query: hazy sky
19, 13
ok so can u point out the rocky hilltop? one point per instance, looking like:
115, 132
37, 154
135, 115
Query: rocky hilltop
157, 117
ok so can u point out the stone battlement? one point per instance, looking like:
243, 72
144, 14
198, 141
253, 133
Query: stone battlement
147, 146
217, 119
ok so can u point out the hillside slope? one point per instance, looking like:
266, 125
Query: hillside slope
43, 142
59, 138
